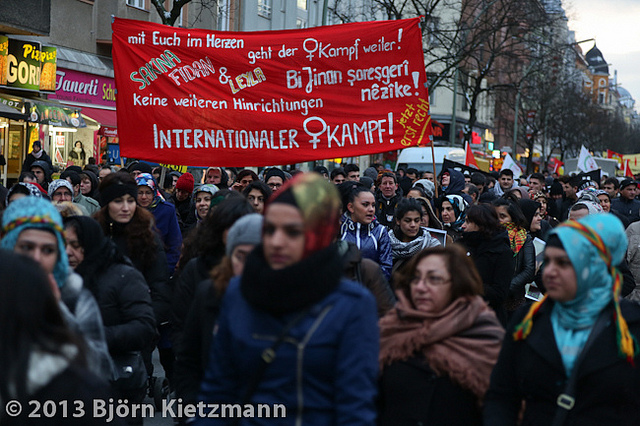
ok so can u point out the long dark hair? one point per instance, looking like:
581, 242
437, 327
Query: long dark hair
207, 238
141, 243
30, 319
485, 217
514, 210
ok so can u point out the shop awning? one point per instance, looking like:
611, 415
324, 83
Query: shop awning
12, 108
106, 117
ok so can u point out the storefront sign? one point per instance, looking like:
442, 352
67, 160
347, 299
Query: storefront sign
60, 139
56, 116
79, 87
29, 65
211, 98
110, 132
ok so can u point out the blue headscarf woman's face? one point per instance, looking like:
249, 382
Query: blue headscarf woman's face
559, 277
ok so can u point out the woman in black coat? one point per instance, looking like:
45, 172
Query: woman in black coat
580, 332
120, 290
517, 225
488, 244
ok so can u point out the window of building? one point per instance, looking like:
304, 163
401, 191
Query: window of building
301, 23
302, 4
136, 3
264, 8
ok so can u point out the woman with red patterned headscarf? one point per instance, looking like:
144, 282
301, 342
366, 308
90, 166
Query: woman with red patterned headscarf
291, 331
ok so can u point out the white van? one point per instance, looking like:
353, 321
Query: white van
420, 158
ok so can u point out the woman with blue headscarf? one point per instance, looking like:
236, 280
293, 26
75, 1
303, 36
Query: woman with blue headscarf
572, 357
165, 215
33, 227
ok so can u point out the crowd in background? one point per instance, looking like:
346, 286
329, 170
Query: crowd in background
350, 297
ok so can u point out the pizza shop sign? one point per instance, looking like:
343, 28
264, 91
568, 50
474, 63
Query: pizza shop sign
27, 65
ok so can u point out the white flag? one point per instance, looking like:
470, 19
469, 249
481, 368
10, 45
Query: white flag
508, 163
586, 162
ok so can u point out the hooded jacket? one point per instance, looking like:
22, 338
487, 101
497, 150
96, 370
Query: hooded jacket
456, 186
372, 240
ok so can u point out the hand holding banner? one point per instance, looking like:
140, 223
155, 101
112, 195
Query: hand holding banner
205, 98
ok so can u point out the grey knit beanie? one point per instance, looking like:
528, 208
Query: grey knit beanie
246, 230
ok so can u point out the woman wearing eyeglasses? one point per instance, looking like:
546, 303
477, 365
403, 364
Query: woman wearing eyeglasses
439, 344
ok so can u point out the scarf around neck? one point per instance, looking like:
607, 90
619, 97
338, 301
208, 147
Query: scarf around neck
293, 288
517, 236
402, 250
462, 341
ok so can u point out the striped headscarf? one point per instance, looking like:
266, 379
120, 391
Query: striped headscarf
35, 213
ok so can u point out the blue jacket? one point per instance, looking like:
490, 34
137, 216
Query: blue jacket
169, 230
372, 240
324, 373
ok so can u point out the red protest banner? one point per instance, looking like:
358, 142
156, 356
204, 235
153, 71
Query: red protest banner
212, 98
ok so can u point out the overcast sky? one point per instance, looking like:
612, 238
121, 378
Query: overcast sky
615, 24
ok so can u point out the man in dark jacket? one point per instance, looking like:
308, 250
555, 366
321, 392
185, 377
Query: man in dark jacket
387, 197
627, 204
36, 154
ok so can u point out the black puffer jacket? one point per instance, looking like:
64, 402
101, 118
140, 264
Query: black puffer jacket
125, 304
155, 273
120, 290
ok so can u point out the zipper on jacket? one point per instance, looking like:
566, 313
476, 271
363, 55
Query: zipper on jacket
301, 348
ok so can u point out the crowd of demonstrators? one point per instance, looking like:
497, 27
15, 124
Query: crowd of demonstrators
161, 265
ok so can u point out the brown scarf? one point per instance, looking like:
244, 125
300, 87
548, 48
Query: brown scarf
462, 341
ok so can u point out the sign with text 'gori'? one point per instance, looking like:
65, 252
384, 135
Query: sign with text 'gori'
211, 98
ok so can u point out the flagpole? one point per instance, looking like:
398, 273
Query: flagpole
433, 162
